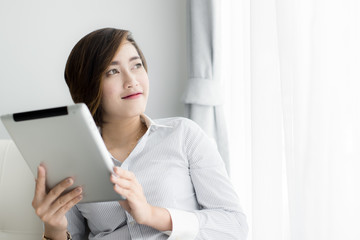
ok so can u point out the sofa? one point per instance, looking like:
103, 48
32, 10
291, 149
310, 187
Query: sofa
17, 217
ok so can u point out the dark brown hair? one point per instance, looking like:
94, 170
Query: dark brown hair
88, 62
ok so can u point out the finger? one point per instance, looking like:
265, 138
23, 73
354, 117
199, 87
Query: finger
63, 200
122, 173
66, 207
56, 191
40, 184
123, 192
123, 183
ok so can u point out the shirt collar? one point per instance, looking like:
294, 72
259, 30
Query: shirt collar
151, 123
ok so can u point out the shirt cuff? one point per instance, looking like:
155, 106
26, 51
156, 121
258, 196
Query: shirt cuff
185, 225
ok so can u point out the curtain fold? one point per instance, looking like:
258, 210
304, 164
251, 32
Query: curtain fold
203, 96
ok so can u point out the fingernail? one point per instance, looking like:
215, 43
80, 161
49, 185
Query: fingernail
78, 190
69, 180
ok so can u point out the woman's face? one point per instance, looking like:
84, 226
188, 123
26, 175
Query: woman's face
125, 85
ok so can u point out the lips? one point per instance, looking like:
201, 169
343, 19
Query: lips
133, 95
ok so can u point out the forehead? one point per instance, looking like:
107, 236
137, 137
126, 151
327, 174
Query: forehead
126, 50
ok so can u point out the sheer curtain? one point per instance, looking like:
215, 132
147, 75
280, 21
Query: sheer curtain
293, 107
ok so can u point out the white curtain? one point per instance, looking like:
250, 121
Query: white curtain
203, 96
294, 115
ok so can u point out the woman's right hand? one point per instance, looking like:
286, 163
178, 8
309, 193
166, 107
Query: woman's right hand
52, 206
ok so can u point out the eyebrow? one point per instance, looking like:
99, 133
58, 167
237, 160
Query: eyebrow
118, 63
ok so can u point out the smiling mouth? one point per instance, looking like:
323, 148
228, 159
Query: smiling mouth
132, 96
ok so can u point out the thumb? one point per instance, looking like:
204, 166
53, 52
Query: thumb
125, 205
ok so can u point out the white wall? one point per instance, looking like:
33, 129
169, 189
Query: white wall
37, 36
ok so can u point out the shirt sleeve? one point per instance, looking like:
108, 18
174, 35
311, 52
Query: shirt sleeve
185, 225
220, 216
77, 225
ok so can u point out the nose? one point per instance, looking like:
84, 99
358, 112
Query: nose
130, 81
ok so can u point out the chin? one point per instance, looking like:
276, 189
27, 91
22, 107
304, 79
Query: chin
134, 113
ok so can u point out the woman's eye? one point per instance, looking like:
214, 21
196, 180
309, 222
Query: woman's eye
138, 65
112, 72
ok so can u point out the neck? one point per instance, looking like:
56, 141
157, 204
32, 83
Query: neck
118, 134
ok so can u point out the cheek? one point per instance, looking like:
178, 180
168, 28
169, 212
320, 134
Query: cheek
145, 82
109, 90
109, 95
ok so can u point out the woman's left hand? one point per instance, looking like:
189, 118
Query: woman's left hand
126, 184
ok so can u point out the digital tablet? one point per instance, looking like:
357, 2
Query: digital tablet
68, 143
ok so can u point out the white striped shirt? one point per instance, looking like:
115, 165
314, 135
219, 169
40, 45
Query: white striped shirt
180, 169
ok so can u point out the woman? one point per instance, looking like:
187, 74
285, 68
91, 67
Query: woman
171, 174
